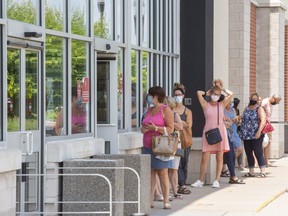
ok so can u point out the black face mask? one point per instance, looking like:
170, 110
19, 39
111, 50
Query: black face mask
252, 102
274, 103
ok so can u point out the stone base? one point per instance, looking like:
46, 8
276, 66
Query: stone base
93, 188
142, 165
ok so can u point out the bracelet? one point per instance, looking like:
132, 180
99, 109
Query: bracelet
156, 128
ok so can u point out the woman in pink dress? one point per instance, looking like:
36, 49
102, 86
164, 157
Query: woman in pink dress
211, 110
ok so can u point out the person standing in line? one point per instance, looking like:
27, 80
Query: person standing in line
185, 135
253, 122
178, 126
239, 152
158, 119
212, 111
234, 142
267, 104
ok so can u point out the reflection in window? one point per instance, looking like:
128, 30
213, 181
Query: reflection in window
54, 14
134, 22
145, 23
134, 87
32, 96
54, 86
103, 92
80, 109
121, 89
23, 10
103, 18
13, 89
79, 17
119, 27
144, 78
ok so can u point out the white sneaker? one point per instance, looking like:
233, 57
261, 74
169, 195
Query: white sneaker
197, 184
216, 184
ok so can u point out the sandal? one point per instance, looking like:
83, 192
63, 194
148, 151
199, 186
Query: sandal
178, 196
225, 174
249, 175
158, 198
183, 190
167, 206
236, 181
261, 175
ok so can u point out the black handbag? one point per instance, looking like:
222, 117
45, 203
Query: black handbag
213, 136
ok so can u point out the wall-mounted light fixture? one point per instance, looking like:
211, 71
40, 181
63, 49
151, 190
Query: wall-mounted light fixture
108, 46
33, 34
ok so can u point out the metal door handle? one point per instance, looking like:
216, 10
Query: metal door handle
30, 146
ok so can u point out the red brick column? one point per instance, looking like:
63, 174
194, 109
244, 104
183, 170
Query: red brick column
252, 81
286, 76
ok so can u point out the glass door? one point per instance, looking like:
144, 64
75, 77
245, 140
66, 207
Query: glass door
24, 107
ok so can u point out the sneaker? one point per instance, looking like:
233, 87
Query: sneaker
197, 184
216, 184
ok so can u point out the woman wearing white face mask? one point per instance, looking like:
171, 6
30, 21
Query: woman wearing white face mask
212, 110
185, 135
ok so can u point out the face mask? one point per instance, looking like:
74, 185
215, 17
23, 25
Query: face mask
253, 102
178, 99
215, 97
150, 100
79, 101
274, 103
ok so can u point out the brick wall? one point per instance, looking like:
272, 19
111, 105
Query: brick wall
252, 80
286, 76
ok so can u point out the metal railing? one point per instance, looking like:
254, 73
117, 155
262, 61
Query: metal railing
110, 201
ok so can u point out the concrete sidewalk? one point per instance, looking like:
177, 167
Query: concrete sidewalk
258, 197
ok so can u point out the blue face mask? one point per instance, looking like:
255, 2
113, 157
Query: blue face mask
150, 100
178, 99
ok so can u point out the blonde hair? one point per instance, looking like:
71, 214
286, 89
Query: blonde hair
180, 87
170, 102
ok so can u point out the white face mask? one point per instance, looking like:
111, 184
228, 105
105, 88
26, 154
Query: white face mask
215, 97
178, 99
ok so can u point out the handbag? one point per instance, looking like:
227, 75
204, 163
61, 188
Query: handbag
179, 152
213, 136
165, 145
267, 128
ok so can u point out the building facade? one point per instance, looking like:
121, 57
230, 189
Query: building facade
74, 75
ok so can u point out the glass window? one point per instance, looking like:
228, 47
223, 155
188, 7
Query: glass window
55, 86
119, 27
1, 88
80, 108
121, 89
54, 15
134, 87
103, 18
145, 23
145, 57
155, 25
134, 22
23, 10
13, 89
79, 17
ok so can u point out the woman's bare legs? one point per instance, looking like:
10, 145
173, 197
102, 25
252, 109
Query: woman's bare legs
164, 181
153, 186
203, 166
219, 160
173, 177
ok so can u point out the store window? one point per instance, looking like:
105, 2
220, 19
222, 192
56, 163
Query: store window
23, 10
134, 22
103, 18
145, 23
79, 17
134, 88
55, 86
119, 19
121, 88
54, 15
145, 79
81, 100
